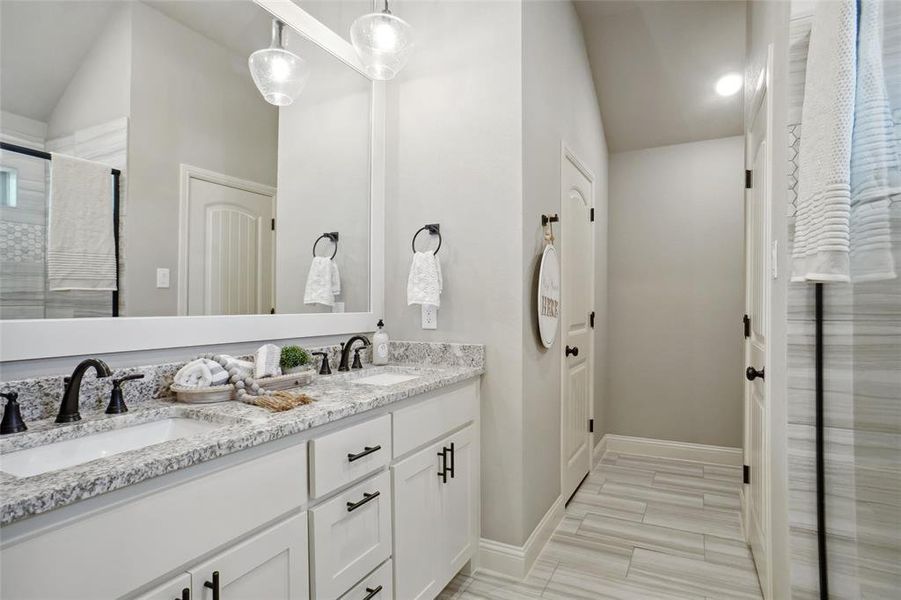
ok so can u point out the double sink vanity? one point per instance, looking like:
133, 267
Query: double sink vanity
369, 492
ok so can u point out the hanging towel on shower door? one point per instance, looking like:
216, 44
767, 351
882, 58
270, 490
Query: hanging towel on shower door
323, 282
425, 282
81, 247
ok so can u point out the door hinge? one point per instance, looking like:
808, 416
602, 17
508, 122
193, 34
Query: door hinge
747, 322
590, 425
273, 224
591, 319
749, 179
591, 217
272, 311
746, 473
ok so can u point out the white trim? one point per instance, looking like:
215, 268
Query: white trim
719, 455
26, 339
185, 174
516, 561
599, 449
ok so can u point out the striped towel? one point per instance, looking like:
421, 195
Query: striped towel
81, 247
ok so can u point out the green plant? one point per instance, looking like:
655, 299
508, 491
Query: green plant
294, 356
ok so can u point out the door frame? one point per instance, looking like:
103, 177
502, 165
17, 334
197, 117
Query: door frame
187, 173
566, 154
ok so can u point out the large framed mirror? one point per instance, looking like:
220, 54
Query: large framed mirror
160, 188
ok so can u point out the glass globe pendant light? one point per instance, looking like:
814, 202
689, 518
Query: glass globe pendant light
280, 75
383, 43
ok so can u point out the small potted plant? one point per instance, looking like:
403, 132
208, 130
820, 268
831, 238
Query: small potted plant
294, 359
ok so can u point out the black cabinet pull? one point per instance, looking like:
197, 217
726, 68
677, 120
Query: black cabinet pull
574, 351
213, 585
751, 374
443, 472
185, 594
452, 453
352, 506
367, 450
371, 592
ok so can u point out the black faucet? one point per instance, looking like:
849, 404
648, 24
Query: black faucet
68, 409
345, 352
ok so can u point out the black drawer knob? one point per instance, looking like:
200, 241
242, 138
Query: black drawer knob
574, 351
751, 374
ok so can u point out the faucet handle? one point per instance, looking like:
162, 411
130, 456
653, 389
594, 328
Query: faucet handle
325, 369
12, 415
357, 363
116, 399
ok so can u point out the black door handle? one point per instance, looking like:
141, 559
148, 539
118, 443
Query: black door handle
213, 585
367, 450
372, 592
185, 594
574, 351
453, 454
443, 472
751, 374
352, 506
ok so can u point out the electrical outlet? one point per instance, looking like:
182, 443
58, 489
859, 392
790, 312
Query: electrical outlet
429, 316
162, 278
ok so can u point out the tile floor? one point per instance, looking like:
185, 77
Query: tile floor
638, 528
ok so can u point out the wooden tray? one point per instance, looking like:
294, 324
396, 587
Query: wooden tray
207, 395
286, 382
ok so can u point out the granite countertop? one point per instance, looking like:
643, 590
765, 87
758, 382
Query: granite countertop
242, 426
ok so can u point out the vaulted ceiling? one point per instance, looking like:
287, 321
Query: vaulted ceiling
655, 65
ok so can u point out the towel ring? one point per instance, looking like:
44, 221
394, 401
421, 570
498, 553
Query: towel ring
331, 235
433, 229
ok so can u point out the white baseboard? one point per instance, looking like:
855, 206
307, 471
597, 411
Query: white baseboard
516, 561
598, 451
721, 455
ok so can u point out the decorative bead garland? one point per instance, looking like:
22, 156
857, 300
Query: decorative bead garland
246, 388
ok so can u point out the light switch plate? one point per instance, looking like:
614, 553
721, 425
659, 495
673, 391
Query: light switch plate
429, 316
162, 278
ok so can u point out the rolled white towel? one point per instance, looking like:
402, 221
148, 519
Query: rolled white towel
237, 367
201, 373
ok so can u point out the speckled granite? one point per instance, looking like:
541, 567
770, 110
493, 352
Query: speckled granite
437, 354
243, 426
40, 397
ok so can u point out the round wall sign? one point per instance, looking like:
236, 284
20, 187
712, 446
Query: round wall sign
548, 296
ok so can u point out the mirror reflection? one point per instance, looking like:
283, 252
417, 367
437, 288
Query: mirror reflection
229, 170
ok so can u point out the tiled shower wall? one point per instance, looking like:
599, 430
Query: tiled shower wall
862, 358
23, 228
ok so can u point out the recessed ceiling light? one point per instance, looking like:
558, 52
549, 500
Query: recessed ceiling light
729, 84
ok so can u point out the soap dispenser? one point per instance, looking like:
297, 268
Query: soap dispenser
12, 415
380, 345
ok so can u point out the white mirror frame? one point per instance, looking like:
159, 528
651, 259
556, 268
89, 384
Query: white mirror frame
42, 338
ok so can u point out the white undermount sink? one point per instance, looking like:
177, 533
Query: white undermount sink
67, 453
385, 379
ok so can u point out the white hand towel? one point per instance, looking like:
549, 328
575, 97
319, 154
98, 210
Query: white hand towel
237, 367
81, 248
822, 237
323, 282
425, 283
875, 172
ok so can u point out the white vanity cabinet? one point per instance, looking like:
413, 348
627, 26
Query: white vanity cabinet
435, 515
272, 564
177, 588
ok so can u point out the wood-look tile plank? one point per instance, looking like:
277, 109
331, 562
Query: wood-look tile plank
582, 552
726, 501
605, 504
647, 493
663, 465
692, 576
728, 552
683, 482
629, 534
569, 584
711, 521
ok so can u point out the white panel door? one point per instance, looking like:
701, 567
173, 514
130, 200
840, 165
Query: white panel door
177, 588
272, 565
229, 247
417, 502
757, 269
457, 507
577, 286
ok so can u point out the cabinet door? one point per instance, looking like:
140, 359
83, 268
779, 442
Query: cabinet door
271, 565
416, 524
457, 506
174, 589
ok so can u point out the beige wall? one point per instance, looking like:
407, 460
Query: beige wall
676, 292
559, 106
192, 101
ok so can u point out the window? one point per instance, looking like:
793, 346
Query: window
8, 185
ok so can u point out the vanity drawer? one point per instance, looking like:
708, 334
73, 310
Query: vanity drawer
433, 418
351, 536
350, 454
378, 585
